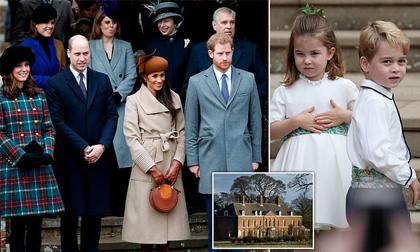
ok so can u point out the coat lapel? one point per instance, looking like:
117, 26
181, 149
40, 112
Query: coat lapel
116, 54
99, 50
213, 85
235, 82
92, 86
148, 102
74, 86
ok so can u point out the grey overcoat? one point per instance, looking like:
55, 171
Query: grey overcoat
222, 136
122, 73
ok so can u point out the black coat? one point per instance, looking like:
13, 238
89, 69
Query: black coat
176, 50
80, 122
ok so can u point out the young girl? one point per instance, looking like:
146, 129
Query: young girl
28, 188
310, 111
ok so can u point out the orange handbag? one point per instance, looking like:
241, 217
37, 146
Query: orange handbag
163, 198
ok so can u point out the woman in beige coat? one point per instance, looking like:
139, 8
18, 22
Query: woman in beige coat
154, 130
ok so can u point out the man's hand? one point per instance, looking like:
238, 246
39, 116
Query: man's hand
255, 166
93, 153
415, 187
173, 171
195, 169
156, 174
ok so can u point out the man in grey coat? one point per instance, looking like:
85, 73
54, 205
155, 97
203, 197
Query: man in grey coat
222, 119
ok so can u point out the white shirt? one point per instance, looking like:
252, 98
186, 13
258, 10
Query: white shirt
228, 78
375, 139
77, 75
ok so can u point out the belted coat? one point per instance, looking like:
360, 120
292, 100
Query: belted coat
154, 139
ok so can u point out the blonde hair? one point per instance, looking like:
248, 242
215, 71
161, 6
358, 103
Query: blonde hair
317, 27
378, 31
219, 38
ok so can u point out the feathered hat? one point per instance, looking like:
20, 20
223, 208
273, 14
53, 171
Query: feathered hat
164, 10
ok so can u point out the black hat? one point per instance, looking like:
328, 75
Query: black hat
13, 56
43, 14
168, 9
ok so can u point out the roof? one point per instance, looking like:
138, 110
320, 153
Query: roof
265, 208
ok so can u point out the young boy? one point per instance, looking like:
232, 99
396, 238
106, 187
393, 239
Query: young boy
375, 142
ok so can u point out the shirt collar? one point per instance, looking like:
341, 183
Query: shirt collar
219, 74
376, 87
76, 73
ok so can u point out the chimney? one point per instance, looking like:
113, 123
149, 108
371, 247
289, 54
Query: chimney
243, 200
291, 213
243, 212
279, 213
261, 199
278, 200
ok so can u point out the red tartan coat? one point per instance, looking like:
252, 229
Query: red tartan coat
26, 192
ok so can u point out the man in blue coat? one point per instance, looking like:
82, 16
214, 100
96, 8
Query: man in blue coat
85, 117
222, 119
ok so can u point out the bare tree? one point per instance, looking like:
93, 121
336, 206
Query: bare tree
241, 186
267, 186
301, 182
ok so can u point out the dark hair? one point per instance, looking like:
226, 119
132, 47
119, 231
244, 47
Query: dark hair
10, 89
164, 96
318, 27
96, 29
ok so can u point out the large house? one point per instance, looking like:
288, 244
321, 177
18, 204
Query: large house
256, 220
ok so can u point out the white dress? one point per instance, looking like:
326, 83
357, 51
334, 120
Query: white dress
324, 153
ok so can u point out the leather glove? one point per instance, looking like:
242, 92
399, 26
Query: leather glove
117, 98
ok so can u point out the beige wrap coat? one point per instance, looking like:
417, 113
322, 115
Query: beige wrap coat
153, 139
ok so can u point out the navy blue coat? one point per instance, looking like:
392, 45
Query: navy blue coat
245, 57
176, 50
80, 122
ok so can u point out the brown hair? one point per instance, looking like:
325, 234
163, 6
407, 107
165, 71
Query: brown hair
318, 27
378, 31
32, 29
10, 89
96, 29
219, 38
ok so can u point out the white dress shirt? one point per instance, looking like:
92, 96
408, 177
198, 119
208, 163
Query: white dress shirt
375, 139
77, 75
228, 78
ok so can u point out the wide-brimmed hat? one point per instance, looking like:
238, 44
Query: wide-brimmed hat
43, 14
166, 10
148, 64
13, 56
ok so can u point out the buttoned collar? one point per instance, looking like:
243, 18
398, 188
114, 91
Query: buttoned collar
377, 88
76, 73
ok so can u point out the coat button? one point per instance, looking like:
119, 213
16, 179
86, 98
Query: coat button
18, 110
30, 98
37, 134
34, 109
22, 135
36, 121
120, 75
20, 123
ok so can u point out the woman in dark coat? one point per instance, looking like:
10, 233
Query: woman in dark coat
171, 44
28, 188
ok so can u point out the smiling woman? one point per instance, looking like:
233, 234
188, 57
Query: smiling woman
49, 52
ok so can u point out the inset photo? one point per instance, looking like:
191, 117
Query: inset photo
263, 210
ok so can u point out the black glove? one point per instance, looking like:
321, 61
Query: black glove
34, 160
117, 98
27, 160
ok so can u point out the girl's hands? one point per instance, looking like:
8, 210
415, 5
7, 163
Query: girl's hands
306, 120
336, 116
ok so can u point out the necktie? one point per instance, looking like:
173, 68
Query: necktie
82, 84
225, 91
